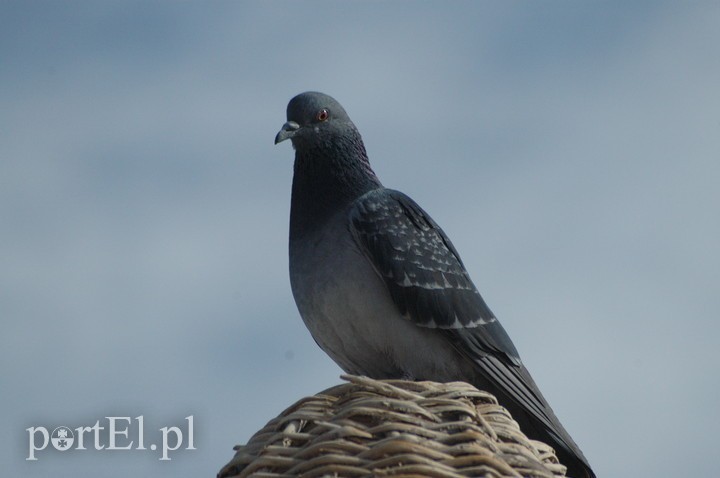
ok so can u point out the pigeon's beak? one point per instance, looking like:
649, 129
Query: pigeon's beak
287, 131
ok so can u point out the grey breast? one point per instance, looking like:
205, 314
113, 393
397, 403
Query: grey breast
350, 313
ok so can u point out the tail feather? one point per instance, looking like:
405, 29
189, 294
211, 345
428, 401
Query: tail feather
516, 390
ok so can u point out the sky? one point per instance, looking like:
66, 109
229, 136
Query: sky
569, 149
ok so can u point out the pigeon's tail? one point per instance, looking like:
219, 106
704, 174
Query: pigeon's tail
535, 417
567, 451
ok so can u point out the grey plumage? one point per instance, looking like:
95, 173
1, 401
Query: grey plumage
381, 287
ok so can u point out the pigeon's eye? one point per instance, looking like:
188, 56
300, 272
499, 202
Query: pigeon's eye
323, 115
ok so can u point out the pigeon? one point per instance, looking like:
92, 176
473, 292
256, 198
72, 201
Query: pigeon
382, 289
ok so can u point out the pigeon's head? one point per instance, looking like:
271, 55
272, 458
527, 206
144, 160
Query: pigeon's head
314, 119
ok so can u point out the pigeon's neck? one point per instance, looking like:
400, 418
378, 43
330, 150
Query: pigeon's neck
326, 180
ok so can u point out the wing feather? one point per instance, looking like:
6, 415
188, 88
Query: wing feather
431, 287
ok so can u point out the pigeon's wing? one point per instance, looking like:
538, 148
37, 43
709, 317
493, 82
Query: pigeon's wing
430, 286
423, 271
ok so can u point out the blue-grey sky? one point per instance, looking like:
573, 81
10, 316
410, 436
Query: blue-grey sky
569, 149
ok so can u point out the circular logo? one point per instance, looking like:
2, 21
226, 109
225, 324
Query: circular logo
62, 438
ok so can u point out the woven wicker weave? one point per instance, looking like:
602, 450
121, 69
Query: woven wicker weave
394, 427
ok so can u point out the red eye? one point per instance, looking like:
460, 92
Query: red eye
323, 115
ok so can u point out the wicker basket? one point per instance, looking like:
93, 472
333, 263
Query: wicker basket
394, 427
